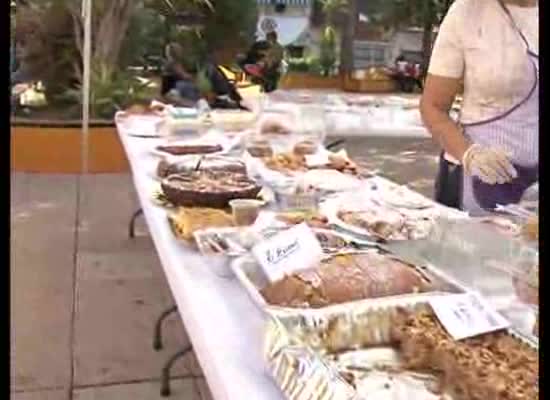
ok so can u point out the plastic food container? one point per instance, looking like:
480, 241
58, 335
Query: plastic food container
290, 199
245, 211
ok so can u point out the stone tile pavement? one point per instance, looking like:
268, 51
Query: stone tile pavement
83, 301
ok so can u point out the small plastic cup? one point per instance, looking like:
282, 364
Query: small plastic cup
245, 211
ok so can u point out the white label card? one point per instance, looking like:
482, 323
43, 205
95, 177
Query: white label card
294, 249
467, 315
317, 160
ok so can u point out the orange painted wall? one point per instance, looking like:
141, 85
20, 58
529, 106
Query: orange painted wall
58, 150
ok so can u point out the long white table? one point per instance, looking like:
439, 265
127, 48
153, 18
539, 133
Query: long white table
225, 328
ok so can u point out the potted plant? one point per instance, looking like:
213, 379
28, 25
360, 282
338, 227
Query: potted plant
54, 146
111, 90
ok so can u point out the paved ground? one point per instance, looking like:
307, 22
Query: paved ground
404, 160
84, 300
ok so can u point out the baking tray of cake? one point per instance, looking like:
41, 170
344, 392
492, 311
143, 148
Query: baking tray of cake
208, 188
385, 212
213, 142
395, 348
341, 281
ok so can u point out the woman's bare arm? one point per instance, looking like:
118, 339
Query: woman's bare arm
437, 99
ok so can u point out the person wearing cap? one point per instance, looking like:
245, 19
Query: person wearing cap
490, 155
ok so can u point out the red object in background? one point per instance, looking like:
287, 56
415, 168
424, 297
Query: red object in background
254, 70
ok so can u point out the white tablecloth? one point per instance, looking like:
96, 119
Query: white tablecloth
224, 326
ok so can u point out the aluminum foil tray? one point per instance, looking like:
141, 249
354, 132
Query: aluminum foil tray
346, 354
251, 277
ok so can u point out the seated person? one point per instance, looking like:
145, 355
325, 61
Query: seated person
227, 95
178, 81
255, 54
268, 64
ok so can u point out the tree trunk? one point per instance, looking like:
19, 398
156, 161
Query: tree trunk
429, 19
347, 38
427, 38
112, 27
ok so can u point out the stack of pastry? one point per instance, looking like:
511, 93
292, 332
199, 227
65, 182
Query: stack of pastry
186, 221
313, 219
296, 161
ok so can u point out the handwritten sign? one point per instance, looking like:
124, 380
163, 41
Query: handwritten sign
294, 249
467, 315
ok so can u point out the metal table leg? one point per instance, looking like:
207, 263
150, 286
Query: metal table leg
165, 379
157, 339
131, 226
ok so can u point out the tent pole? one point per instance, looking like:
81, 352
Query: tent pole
86, 62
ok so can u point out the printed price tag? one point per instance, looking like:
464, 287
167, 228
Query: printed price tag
294, 249
467, 315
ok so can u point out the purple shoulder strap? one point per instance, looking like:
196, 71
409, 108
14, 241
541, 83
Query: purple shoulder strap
516, 28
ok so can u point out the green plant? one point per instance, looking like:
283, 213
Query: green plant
405, 13
311, 65
331, 8
111, 90
298, 65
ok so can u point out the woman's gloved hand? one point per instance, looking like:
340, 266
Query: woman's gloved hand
492, 166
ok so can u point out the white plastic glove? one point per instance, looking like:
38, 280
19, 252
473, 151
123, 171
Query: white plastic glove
492, 166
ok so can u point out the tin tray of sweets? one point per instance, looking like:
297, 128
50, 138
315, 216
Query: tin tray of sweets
353, 355
252, 278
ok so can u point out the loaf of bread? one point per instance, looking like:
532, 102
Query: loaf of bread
494, 366
345, 278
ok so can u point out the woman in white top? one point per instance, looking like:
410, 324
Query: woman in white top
490, 156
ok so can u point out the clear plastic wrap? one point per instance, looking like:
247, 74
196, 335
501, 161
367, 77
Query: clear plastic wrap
478, 257
348, 354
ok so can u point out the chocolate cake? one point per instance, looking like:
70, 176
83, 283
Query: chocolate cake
213, 163
181, 150
208, 188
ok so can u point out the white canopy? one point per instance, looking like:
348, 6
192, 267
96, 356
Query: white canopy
288, 28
